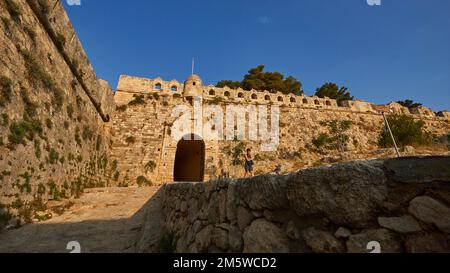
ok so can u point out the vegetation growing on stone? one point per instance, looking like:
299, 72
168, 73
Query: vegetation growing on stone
216, 100
58, 98
407, 132
24, 129
30, 32
6, 90
98, 144
5, 119
41, 190
332, 91
53, 190
260, 80
116, 176
29, 105
37, 148
87, 133
130, 140
168, 242
236, 153
70, 111
143, 181
5, 216
6, 22
49, 123
13, 8
336, 138
60, 40
137, 100
38, 74
410, 104
26, 186
53, 156
44, 5
121, 108
77, 136
35, 70
150, 166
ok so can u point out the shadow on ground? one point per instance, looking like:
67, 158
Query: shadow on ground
125, 232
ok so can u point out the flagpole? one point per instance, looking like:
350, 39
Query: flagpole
392, 135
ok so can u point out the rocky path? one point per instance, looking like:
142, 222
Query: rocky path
109, 220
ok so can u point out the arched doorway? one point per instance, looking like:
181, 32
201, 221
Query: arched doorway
189, 161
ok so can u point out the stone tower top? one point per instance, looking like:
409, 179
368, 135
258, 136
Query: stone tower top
193, 86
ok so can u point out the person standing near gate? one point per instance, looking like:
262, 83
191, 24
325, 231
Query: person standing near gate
249, 163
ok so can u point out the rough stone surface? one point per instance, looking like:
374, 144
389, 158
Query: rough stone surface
431, 211
343, 233
265, 237
389, 242
244, 217
292, 231
405, 224
235, 239
263, 192
220, 238
348, 194
419, 170
69, 149
203, 239
322, 242
358, 197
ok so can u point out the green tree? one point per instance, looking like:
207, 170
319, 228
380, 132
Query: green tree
231, 84
260, 80
406, 130
332, 91
409, 104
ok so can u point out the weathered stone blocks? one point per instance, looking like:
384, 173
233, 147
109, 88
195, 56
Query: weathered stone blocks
342, 208
348, 194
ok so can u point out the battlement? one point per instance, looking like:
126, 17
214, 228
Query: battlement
129, 86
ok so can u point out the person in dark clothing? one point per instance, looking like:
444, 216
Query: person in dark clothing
249, 163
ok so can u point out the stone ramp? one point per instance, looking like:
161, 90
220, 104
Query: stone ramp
108, 220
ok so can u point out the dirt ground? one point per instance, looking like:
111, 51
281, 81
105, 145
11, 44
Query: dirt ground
110, 220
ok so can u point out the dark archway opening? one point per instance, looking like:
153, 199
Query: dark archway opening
190, 161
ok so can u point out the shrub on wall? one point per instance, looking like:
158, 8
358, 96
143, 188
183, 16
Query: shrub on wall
13, 8
138, 100
143, 181
5, 90
407, 132
44, 5
150, 166
24, 129
168, 242
236, 153
130, 140
6, 22
122, 108
336, 138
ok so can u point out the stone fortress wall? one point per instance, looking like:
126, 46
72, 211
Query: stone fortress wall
401, 204
149, 125
63, 130
54, 135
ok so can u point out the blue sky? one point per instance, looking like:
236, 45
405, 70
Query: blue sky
399, 50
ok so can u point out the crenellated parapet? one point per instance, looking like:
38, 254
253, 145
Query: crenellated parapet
129, 86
